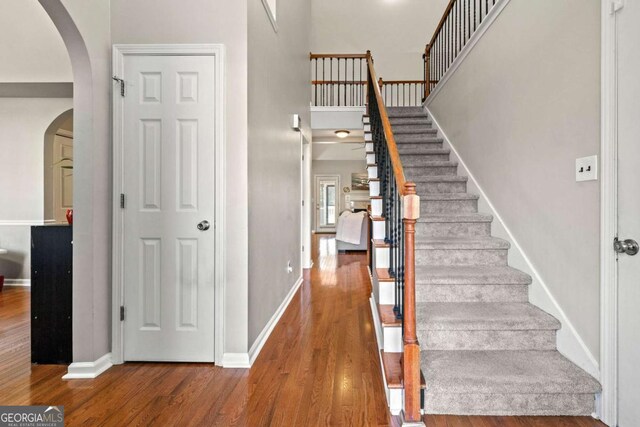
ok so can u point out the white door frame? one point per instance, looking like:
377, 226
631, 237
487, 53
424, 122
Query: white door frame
608, 402
305, 191
338, 200
120, 51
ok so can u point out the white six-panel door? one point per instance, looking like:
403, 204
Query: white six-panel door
168, 162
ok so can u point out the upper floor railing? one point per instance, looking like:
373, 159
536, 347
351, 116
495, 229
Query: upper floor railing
340, 80
459, 22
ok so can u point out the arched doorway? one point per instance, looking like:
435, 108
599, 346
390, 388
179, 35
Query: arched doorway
58, 168
92, 179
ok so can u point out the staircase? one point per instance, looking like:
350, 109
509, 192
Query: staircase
484, 349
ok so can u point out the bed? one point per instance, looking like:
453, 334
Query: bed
352, 245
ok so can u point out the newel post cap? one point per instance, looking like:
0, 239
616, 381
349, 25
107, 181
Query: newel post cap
411, 202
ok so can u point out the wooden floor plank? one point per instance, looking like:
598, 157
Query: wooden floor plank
319, 367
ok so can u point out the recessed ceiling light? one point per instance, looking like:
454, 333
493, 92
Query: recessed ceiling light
342, 133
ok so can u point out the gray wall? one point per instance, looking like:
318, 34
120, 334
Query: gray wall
209, 21
344, 168
396, 32
278, 88
520, 109
31, 48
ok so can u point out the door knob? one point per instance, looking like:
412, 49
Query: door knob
628, 246
203, 225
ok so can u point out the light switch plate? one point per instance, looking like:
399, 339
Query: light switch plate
587, 168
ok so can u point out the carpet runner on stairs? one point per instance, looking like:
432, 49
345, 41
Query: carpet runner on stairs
485, 349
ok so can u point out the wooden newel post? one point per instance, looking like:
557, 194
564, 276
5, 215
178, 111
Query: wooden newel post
411, 357
427, 73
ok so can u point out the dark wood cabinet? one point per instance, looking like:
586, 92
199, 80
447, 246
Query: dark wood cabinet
51, 281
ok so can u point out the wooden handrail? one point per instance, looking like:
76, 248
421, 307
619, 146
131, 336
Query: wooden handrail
338, 55
398, 171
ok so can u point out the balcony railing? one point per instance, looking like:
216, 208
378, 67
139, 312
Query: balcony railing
340, 80
459, 22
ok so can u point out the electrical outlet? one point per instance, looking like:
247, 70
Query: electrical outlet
289, 268
587, 168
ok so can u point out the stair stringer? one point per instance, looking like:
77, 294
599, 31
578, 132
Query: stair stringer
569, 342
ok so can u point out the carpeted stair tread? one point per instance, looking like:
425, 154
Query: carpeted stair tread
433, 163
462, 243
399, 130
405, 111
425, 152
414, 120
454, 217
470, 275
416, 139
504, 371
440, 178
448, 196
483, 316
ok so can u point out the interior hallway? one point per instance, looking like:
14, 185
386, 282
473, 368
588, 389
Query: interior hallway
319, 367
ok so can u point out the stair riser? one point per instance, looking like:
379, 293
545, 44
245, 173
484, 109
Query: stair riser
392, 339
374, 188
371, 158
509, 404
487, 340
448, 206
453, 229
431, 171
461, 256
366, 127
368, 137
386, 293
372, 171
381, 258
419, 147
420, 159
376, 206
472, 293
425, 188
378, 230
368, 146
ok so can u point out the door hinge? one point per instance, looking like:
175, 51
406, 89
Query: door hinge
122, 313
121, 81
303, 203
616, 6
122, 200
303, 249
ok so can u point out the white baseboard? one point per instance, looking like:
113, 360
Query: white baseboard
569, 342
255, 349
235, 360
17, 282
88, 370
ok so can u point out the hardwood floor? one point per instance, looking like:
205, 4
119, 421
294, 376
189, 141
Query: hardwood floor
319, 367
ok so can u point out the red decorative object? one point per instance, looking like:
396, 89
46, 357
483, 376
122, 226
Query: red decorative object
70, 216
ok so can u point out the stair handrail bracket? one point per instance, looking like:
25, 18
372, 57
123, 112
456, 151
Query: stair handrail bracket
401, 209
